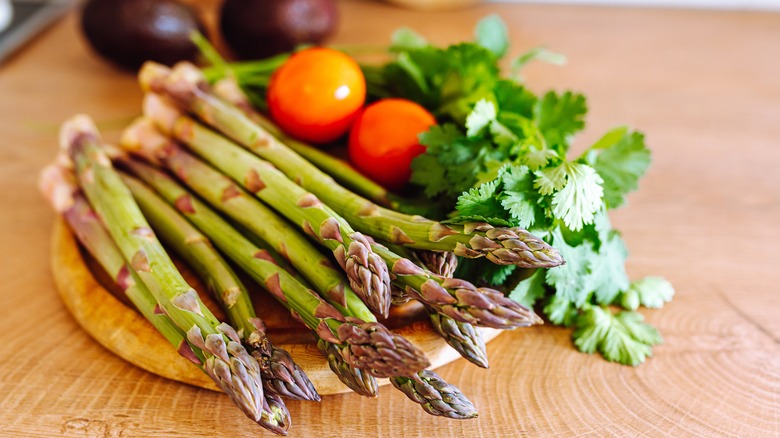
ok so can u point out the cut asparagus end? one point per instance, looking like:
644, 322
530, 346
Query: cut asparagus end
57, 186
436, 396
151, 75
161, 111
226, 360
72, 129
228, 90
143, 139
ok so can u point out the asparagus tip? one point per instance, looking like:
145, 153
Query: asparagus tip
436, 396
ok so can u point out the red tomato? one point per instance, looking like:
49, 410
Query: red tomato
316, 94
383, 140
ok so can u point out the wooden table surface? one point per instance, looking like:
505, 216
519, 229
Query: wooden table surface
704, 86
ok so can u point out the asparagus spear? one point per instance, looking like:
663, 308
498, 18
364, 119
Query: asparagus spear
461, 336
228, 89
226, 361
59, 188
365, 345
441, 263
355, 379
225, 195
186, 86
458, 299
435, 395
366, 272
280, 373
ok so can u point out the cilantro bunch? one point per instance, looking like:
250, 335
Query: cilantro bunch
500, 155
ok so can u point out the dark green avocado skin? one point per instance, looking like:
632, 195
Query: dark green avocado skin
130, 32
256, 29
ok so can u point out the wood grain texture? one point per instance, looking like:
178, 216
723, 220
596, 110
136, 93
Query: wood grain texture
705, 88
124, 331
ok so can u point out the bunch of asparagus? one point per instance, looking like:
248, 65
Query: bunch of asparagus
213, 179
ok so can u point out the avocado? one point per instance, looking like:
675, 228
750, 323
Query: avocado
256, 29
129, 32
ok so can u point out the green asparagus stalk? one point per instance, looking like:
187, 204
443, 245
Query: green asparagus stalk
225, 195
436, 396
186, 86
59, 188
365, 345
226, 361
366, 272
354, 378
228, 89
458, 299
461, 336
281, 375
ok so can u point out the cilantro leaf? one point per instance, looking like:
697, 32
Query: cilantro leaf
650, 292
550, 180
495, 221
561, 311
481, 201
621, 159
405, 39
514, 98
483, 114
568, 278
440, 136
428, 172
578, 192
528, 291
439, 170
496, 275
622, 338
607, 276
560, 117
536, 54
491, 33
519, 197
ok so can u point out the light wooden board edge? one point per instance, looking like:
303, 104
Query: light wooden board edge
124, 332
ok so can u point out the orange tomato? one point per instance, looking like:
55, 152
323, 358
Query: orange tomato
383, 140
316, 94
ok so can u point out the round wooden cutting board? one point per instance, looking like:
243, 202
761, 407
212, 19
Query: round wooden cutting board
90, 297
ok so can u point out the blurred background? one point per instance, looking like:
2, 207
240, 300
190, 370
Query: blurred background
117, 29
